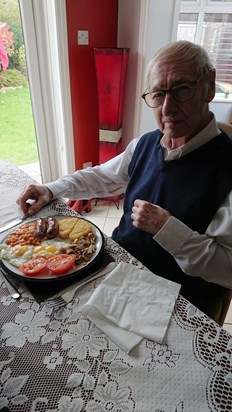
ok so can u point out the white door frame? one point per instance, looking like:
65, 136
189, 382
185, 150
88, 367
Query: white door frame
45, 38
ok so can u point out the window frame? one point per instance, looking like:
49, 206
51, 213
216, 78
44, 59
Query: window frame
202, 7
45, 37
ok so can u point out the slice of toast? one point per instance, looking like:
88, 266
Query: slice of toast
81, 228
66, 226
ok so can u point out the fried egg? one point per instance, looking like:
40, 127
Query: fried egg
17, 255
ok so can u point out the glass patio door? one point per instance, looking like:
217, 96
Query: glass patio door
18, 142
45, 35
45, 40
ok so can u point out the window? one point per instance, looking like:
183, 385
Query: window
209, 23
44, 26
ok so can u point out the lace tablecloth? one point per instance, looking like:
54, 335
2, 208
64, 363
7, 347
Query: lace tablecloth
56, 360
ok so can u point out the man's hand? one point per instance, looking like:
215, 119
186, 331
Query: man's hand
33, 198
148, 217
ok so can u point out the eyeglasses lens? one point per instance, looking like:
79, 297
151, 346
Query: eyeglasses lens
180, 93
183, 92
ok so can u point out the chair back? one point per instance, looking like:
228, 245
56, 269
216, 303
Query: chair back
226, 127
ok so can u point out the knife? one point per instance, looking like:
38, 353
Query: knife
11, 288
22, 218
13, 223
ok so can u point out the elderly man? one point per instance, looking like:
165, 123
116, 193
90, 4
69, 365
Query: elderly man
177, 182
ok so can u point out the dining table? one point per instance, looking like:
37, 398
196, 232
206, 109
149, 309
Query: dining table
56, 359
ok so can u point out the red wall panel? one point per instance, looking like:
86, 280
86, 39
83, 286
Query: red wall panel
100, 18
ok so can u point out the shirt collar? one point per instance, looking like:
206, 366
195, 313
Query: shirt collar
206, 134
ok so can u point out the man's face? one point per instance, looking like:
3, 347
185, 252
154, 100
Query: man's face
181, 120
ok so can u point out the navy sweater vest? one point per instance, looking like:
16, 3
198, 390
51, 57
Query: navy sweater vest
191, 188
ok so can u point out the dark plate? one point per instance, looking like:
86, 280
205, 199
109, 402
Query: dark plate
78, 270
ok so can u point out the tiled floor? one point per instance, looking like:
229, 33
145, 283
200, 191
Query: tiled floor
106, 216
228, 321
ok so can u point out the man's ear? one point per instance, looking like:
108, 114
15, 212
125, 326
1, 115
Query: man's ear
211, 86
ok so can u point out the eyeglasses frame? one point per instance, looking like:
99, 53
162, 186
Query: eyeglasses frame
165, 91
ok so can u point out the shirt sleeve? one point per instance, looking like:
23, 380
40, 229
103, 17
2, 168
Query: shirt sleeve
209, 255
107, 179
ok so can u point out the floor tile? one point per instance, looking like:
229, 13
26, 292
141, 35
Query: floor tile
110, 224
114, 212
99, 210
228, 328
98, 221
228, 318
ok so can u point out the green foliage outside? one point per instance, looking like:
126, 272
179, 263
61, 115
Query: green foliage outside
10, 14
17, 134
12, 78
17, 137
22, 60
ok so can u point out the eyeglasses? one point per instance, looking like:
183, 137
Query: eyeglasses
180, 93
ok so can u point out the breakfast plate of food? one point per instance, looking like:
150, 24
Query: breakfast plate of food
51, 248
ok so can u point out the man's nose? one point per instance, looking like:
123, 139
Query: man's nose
170, 105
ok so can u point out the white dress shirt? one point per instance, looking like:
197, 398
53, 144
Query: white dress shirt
208, 256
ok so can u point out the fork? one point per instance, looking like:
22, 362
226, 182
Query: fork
68, 295
10, 287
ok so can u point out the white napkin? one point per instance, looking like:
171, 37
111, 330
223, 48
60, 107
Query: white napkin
131, 304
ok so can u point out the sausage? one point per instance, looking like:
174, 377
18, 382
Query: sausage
41, 229
52, 228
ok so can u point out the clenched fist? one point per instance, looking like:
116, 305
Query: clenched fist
148, 217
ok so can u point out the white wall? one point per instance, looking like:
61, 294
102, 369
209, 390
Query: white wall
143, 26
222, 110
129, 35
159, 32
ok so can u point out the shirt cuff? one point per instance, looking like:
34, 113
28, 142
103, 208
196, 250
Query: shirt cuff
57, 190
173, 235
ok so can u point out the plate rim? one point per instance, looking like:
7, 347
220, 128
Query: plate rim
54, 278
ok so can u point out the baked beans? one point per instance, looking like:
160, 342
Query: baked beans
23, 235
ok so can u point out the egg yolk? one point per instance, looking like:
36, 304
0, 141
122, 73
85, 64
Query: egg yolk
20, 250
49, 249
